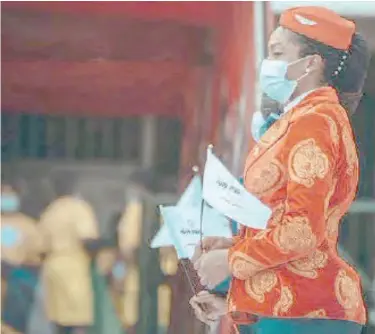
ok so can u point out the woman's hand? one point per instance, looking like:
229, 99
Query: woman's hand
213, 267
209, 244
207, 307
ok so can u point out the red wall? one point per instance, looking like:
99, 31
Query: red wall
233, 45
233, 50
59, 58
202, 13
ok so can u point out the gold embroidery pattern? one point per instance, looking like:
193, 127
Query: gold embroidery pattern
284, 303
274, 132
333, 222
261, 234
300, 112
294, 234
329, 196
320, 313
277, 214
266, 179
243, 266
257, 286
350, 150
332, 127
256, 151
348, 293
308, 266
249, 233
231, 305
307, 162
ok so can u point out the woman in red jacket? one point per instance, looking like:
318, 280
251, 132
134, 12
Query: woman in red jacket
289, 278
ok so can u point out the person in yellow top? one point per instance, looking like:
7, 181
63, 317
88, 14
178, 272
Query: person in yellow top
21, 256
71, 231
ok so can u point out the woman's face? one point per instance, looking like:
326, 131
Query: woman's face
283, 45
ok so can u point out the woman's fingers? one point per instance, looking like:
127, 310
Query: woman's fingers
194, 302
201, 316
206, 283
205, 297
198, 263
197, 253
203, 293
212, 306
204, 316
209, 244
200, 310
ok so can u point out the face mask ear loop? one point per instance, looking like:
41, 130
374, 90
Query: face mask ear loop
303, 76
298, 81
307, 71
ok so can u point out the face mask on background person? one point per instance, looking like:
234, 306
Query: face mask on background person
274, 82
119, 270
256, 124
9, 203
10, 236
259, 125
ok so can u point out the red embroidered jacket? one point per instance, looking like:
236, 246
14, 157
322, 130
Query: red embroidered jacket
306, 169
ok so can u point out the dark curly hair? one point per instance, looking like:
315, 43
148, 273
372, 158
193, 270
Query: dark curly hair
345, 71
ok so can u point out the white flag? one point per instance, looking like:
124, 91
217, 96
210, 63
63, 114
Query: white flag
184, 226
162, 238
225, 193
191, 196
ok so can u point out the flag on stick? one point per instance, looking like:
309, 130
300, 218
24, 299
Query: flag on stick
190, 197
225, 193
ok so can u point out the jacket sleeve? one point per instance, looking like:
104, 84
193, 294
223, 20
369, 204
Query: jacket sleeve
309, 156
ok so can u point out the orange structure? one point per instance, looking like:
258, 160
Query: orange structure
191, 60
128, 58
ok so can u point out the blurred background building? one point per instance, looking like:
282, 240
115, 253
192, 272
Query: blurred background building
120, 99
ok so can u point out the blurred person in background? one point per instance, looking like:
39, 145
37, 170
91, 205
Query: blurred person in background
111, 265
22, 250
270, 111
71, 231
108, 283
289, 278
117, 272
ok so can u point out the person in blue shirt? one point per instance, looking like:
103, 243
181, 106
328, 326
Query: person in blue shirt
21, 258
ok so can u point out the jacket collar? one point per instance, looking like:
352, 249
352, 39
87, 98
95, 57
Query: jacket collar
281, 126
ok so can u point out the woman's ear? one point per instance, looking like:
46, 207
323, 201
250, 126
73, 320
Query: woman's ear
315, 63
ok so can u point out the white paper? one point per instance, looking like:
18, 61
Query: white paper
191, 196
162, 238
185, 227
225, 193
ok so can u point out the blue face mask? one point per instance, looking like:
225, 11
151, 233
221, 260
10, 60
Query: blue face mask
10, 236
119, 270
256, 124
9, 203
274, 82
